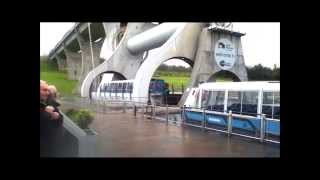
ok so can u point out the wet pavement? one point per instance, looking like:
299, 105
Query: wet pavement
124, 135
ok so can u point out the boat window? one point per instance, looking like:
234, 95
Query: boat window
196, 98
271, 104
130, 88
250, 103
111, 87
118, 87
268, 98
267, 104
216, 101
205, 97
267, 110
101, 88
114, 88
276, 98
124, 86
104, 86
276, 107
234, 101
276, 112
108, 88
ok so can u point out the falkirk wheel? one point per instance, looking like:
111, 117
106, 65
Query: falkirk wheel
136, 50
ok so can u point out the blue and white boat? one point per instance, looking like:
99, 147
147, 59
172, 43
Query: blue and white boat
247, 101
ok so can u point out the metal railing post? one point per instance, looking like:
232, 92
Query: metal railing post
143, 113
182, 114
262, 127
104, 107
167, 114
204, 119
135, 109
229, 123
153, 111
124, 107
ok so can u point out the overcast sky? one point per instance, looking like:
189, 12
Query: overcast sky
261, 44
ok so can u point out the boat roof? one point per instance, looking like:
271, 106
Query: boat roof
120, 81
241, 86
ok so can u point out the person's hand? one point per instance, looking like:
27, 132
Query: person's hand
49, 109
55, 115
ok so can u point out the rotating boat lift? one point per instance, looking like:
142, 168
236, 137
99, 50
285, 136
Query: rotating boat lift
143, 47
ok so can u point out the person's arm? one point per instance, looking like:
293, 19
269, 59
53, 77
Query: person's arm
58, 121
56, 117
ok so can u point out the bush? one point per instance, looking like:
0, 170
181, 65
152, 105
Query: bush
83, 117
71, 112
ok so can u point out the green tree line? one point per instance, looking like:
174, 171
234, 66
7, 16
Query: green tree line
255, 73
261, 73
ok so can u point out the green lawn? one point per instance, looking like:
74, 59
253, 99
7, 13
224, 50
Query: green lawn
178, 79
177, 82
57, 78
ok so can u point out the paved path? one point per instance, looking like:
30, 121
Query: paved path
123, 135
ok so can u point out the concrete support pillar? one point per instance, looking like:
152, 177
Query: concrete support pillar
62, 63
86, 57
88, 65
205, 65
73, 64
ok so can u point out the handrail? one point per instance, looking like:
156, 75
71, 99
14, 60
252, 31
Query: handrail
72, 127
85, 146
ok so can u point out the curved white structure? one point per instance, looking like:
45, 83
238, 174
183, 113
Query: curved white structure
152, 38
114, 56
182, 43
110, 44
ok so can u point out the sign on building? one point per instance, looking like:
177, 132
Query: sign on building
225, 54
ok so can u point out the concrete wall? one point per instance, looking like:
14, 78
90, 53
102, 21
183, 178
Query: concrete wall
205, 66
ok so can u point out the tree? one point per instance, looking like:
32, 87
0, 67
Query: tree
261, 73
276, 73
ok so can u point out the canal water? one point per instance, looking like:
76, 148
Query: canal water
125, 135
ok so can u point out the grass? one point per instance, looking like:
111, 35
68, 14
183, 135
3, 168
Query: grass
178, 79
176, 82
50, 73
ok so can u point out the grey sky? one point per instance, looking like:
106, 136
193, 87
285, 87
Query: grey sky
261, 44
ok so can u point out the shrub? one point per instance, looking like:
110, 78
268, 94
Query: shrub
83, 117
71, 112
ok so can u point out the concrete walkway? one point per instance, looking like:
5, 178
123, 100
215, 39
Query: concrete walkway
123, 135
